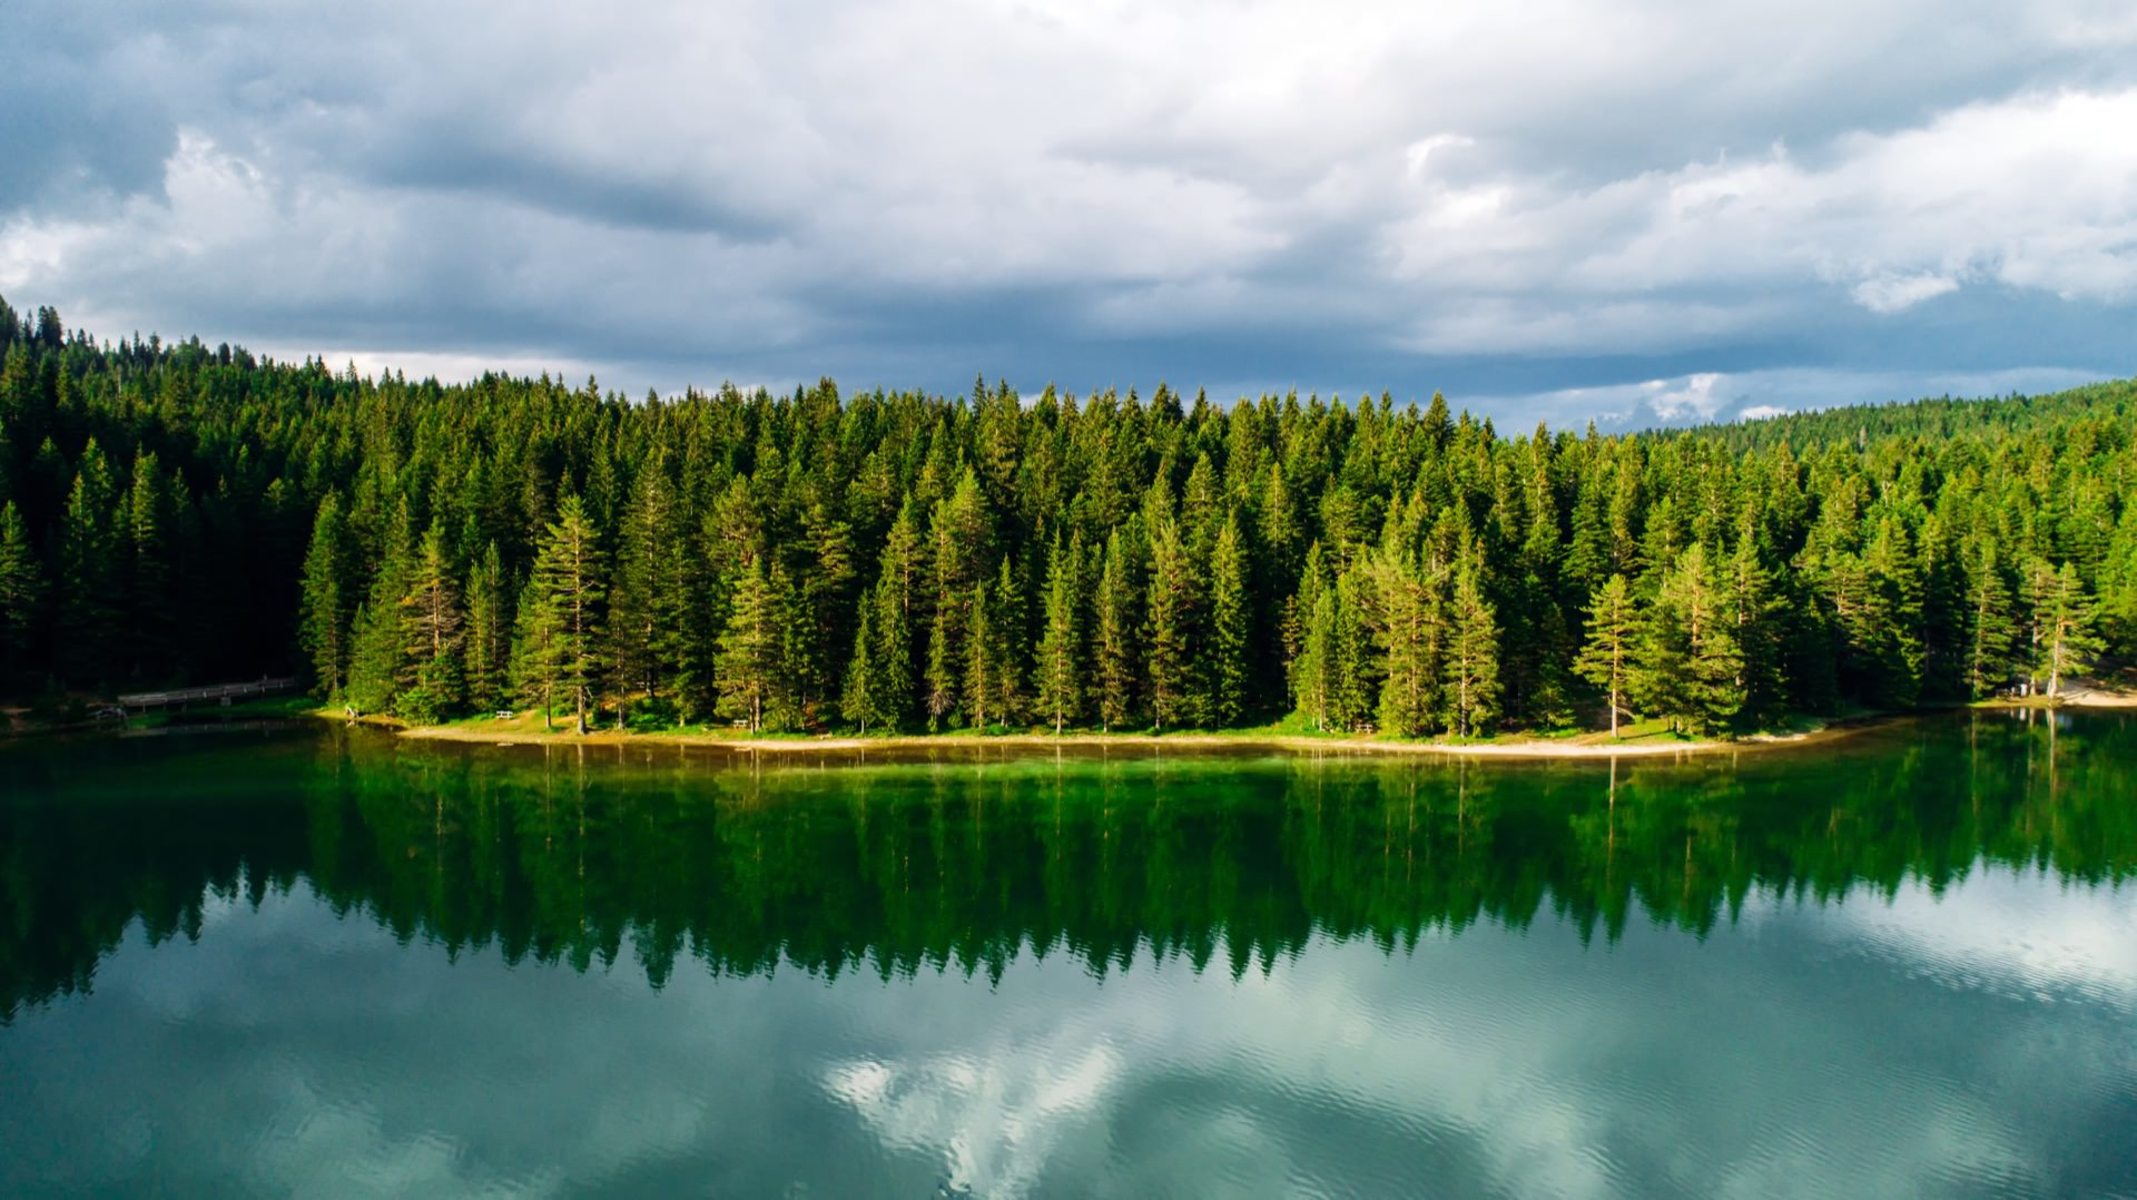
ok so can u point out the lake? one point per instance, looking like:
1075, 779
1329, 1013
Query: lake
308, 961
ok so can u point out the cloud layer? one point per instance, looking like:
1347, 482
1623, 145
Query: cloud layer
1509, 203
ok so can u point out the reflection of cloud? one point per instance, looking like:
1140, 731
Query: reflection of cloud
994, 1121
1751, 1062
2009, 932
342, 1152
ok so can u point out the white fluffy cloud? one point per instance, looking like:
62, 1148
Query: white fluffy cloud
1420, 195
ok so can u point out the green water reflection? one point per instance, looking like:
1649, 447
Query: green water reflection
663, 856
1900, 963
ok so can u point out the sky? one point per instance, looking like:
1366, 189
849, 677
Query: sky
1630, 211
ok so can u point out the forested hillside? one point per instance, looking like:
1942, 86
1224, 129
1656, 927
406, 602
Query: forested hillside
896, 560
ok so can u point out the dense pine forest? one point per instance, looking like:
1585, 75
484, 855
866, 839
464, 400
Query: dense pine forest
881, 561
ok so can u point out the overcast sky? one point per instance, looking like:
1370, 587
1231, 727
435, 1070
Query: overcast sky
1632, 211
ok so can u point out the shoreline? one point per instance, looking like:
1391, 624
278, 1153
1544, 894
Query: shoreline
1535, 749
1591, 745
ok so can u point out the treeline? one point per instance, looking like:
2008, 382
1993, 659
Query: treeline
903, 561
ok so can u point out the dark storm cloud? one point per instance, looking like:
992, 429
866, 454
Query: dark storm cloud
1629, 211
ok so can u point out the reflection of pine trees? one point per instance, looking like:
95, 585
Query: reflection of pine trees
592, 856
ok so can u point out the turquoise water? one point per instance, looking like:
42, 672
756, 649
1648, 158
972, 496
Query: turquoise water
305, 961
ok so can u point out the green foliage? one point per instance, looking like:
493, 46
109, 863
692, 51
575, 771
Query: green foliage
1470, 682
1058, 659
1119, 635
2065, 620
22, 590
749, 655
1230, 627
188, 514
433, 679
1606, 659
323, 624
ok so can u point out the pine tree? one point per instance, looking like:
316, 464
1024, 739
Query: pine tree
1229, 627
1471, 684
1754, 614
1412, 633
1613, 632
749, 654
894, 653
1888, 626
1313, 675
1355, 668
89, 545
1991, 633
1706, 694
2065, 619
1172, 612
323, 627
1058, 660
536, 679
568, 581
1119, 636
646, 614
149, 602
863, 697
960, 538
1006, 638
377, 650
941, 679
22, 589
489, 632
979, 658
433, 631
825, 608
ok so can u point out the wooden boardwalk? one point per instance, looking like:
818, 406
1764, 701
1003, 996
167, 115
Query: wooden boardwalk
222, 693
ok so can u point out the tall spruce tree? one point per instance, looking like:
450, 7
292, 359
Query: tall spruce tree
979, 659
1173, 690
489, 631
1607, 655
1058, 659
1006, 638
150, 615
1471, 684
89, 574
863, 699
648, 607
2065, 619
1355, 667
22, 592
433, 632
568, 582
1313, 675
1991, 632
1708, 692
1230, 626
324, 603
1119, 635
378, 652
1412, 638
749, 655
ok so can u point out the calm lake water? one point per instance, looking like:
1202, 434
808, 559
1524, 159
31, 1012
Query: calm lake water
309, 962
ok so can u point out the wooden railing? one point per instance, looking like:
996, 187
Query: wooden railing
222, 693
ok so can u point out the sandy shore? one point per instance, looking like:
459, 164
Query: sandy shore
1586, 746
1594, 745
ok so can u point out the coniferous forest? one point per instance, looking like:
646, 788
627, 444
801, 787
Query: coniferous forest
881, 561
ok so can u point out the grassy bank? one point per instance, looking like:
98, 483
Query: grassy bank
1291, 735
